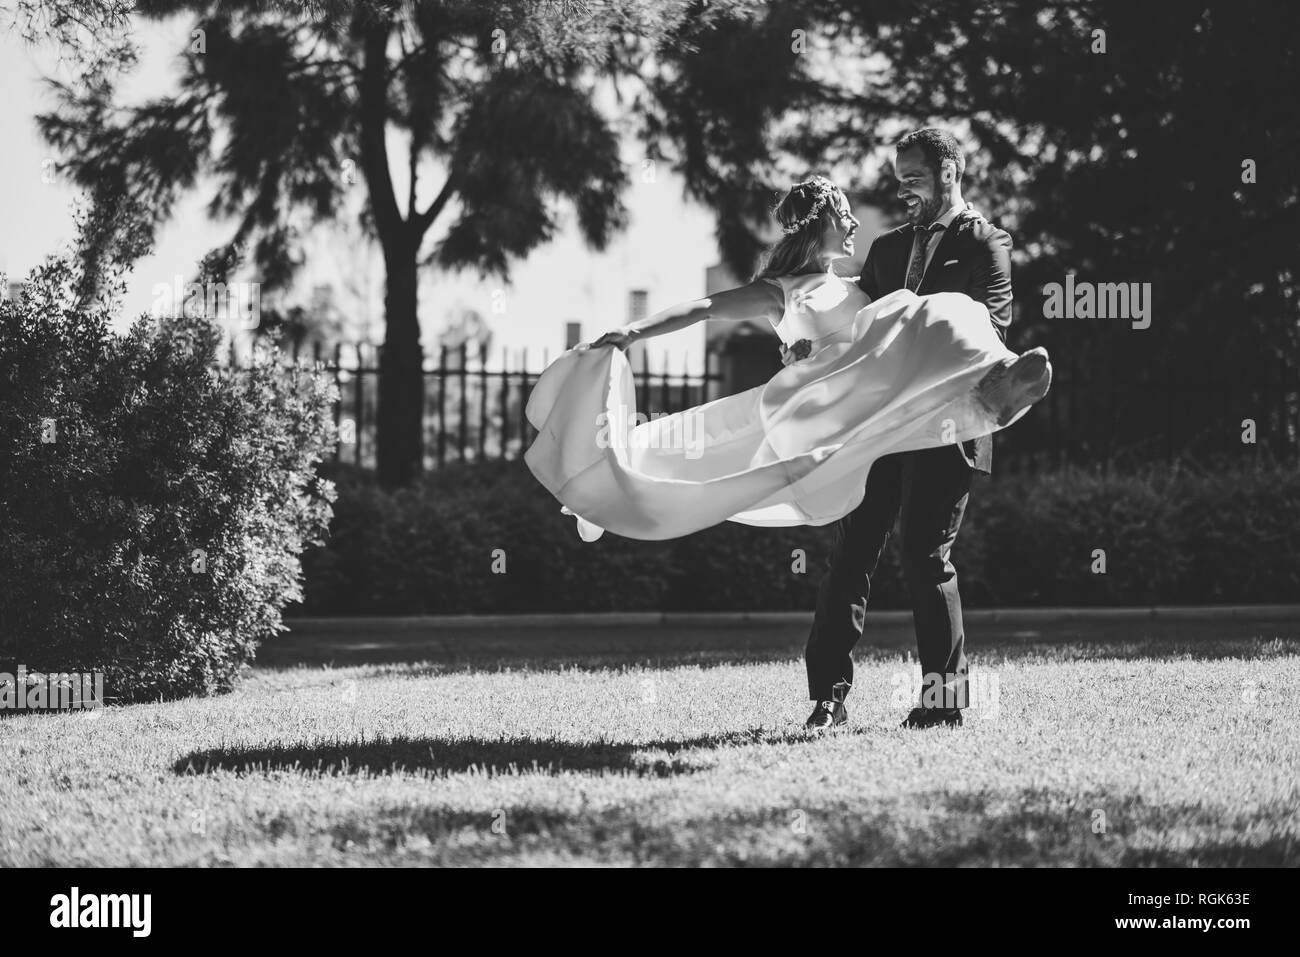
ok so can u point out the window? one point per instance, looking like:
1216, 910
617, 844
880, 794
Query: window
637, 305
572, 334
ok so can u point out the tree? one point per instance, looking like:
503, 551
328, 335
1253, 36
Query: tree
1118, 155
1115, 136
1111, 137
285, 109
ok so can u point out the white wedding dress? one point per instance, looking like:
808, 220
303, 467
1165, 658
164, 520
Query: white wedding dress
891, 376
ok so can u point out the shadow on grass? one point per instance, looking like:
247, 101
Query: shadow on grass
444, 756
1032, 827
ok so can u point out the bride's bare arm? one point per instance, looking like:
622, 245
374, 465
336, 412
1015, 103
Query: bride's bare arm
757, 300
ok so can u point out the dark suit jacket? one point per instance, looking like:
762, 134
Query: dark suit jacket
982, 270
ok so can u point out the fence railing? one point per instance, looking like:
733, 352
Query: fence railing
473, 407
474, 410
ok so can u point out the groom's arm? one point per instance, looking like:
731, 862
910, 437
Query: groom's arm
991, 274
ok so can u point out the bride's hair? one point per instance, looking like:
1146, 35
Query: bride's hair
803, 213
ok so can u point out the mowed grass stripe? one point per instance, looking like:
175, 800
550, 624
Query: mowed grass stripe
1121, 754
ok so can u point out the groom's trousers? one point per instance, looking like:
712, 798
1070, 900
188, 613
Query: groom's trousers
926, 492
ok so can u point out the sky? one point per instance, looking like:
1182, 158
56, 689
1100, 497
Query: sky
665, 251
38, 206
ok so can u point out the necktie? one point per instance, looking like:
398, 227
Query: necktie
920, 244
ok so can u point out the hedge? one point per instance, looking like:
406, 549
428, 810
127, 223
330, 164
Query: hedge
1166, 535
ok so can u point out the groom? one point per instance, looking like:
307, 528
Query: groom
945, 247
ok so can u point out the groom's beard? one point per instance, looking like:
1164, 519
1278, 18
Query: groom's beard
927, 211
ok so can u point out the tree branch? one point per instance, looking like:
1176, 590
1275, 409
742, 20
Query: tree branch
421, 223
374, 116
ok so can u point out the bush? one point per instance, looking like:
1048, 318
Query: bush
152, 510
432, 548
1169, 535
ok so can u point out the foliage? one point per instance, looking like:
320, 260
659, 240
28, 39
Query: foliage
1169, 535
152, 509
1110, 138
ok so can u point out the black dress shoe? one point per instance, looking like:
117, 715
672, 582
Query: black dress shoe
827, 714
830, 713
929, 717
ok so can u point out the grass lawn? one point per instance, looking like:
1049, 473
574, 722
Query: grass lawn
1155, 751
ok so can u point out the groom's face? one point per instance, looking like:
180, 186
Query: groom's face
918, 187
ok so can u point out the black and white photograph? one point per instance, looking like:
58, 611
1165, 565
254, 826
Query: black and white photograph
641, 434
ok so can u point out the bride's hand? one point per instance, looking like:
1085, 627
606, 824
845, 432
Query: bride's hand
617, 338
793, 353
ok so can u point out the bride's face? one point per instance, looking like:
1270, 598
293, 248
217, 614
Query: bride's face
838, 236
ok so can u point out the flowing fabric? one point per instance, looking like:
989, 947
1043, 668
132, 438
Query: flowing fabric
896, 375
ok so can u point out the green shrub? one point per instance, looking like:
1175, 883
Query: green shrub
432, 548
1169, 536
152, 510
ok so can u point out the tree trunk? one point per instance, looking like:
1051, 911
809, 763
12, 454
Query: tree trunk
400, 417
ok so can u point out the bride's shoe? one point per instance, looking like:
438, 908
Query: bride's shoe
1015, 385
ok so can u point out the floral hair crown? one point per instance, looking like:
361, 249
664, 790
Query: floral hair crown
823, 190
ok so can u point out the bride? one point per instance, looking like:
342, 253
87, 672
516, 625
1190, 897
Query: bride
862, 380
